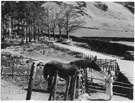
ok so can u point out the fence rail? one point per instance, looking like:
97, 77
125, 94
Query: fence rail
105, 62
121, 87
122, 83
90, 89
101, 88
116, 93
9, 74
89, 78
97, 87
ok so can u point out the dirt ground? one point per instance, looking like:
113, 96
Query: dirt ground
37, 51
9, 91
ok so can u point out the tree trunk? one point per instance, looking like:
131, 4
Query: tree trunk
67, 28
53, 34
22, 30
67, 35
25, 31
38, 33
29, 34
34, 33
49, 32
9, 28
26, 34
13, 28
59, 32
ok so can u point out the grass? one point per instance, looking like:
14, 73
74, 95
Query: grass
104, 45
82, 32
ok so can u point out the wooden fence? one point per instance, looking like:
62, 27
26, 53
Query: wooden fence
119, 88
95, 87
107, 64
82, 83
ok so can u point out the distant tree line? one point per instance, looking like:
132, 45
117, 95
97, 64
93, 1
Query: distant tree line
31, 19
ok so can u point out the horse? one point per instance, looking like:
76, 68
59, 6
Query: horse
87, 63
66, 69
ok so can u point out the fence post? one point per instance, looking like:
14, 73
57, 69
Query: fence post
67, 87
74, 87
30, 85
27, 71
86, 86
78, 84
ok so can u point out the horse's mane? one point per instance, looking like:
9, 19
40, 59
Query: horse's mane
82, 62
86, 63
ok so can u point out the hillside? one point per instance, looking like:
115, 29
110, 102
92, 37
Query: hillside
115, 18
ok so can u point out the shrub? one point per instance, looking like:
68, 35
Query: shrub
101, 6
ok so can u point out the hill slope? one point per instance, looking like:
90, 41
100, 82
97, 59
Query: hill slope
116, 19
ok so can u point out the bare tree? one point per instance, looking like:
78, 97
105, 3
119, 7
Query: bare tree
72, 18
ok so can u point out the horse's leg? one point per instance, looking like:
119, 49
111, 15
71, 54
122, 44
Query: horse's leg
50, 80
51, 85
55, 85
71, 85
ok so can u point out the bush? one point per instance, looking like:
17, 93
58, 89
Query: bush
101, 6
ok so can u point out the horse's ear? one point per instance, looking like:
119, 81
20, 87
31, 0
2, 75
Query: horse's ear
94, 59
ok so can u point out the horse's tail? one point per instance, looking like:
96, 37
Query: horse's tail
45, 71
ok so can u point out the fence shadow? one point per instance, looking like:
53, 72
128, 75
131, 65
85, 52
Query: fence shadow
38, 90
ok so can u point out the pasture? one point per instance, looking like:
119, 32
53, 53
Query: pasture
34, 51
36, 32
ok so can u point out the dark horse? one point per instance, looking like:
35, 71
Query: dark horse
66, 69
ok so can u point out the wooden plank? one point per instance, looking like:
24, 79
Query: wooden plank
10, 74
97, 87
74, 87
30, 85
105, 62
122, 87
86, 82
122, 83
95, 78
67, 87
115, 93
101, 91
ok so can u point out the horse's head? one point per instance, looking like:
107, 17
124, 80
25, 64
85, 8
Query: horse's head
91, 63
94, 65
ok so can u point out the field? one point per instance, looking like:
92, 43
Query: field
30, 33
34, 51
21, 70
